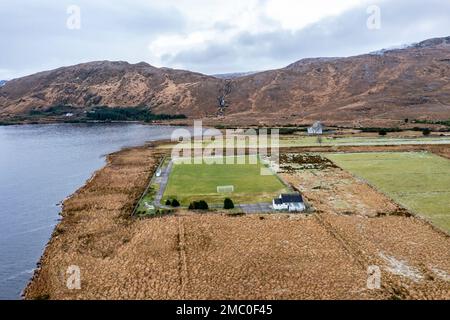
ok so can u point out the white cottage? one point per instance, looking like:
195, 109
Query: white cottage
289, 202
317, 128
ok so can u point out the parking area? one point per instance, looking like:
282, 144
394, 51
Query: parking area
162, 181
256, 208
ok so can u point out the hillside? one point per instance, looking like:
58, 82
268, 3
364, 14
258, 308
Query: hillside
381, 87
111, 84
409, 83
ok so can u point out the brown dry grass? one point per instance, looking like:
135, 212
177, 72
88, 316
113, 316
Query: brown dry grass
337, 191
377, 231
214, 256
420, 249
443, 151
96, 224
278, 257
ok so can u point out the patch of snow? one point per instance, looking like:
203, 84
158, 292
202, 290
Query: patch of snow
389, 49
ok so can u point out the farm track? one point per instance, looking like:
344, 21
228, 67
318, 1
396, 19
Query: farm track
182, 264
390, 286
352, 250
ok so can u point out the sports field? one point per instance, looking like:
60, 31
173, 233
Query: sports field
193, 182
419, 181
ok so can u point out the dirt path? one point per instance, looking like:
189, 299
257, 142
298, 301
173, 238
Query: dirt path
183, 270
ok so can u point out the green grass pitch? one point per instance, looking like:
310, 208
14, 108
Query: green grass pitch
191, 182
419, 181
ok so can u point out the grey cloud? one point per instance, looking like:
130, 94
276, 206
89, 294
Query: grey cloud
403, 21
35, 37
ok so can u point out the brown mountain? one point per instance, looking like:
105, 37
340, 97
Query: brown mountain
377, 88
110, 84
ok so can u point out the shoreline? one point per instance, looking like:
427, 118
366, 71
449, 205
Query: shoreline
25, 123
59, 160
48, 252
37, 268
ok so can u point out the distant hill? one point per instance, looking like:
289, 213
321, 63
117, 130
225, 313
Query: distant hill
115, 84
372, 89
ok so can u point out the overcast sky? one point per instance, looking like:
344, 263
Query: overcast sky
207, 36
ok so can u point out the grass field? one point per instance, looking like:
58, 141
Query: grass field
328, 141
190, 182
417, 180
308, 141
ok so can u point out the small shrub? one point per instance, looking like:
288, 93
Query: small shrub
175, 203
168, 203
426, 132
199, 205
228, 204
202, 205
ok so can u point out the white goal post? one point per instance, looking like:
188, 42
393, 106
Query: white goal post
225, 189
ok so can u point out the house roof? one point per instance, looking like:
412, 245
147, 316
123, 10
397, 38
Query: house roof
277, 201
291, 198
317, 125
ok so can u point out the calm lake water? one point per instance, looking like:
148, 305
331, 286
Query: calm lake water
40, 165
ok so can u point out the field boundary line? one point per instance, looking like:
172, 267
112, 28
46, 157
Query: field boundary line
376, 189
390, 284
276, 174
413, 213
